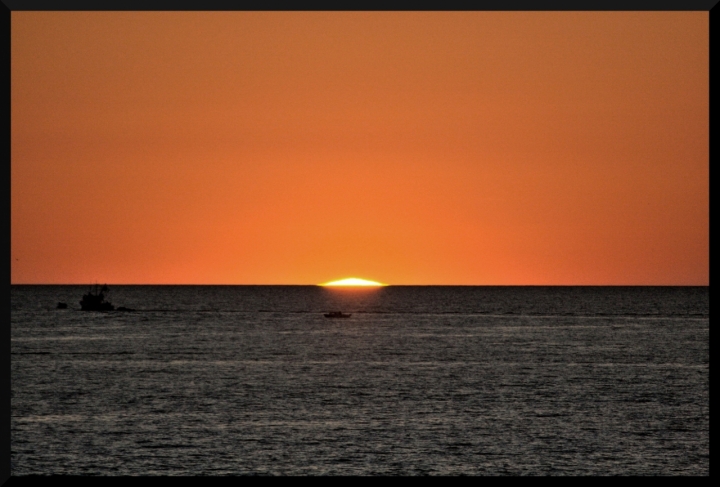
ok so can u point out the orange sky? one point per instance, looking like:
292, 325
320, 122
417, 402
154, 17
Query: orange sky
486, 148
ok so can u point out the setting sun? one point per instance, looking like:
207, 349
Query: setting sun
353, 281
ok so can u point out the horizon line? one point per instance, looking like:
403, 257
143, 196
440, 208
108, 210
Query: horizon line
359, 287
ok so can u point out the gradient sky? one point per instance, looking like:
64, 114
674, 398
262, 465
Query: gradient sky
485, 148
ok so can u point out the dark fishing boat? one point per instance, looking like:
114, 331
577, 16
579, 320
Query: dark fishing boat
94, 300
337, 314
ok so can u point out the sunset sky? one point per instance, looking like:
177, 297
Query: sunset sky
479, 148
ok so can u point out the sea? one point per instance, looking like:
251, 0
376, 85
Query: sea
419, 380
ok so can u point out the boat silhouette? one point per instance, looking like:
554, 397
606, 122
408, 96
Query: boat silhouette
337, 314
94, 300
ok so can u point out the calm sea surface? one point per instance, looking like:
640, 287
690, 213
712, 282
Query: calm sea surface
238, 380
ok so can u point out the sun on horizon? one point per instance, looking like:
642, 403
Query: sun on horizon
353, 281
426, 148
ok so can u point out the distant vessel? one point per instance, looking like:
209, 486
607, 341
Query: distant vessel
94, 300
337, 314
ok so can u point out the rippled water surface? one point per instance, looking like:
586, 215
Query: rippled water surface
213, 380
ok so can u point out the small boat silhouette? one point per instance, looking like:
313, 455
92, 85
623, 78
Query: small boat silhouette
94, 300
337, 314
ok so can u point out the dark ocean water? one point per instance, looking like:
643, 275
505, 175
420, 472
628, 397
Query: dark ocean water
238, 380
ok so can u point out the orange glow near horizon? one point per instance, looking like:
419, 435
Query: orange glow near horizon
353, 282
448, 148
